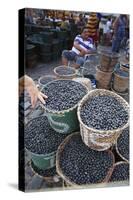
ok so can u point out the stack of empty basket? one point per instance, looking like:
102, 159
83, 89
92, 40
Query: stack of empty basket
108, 61
49, 44
120, 82
31, 57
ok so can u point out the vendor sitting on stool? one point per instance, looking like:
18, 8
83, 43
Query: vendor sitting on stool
82, 46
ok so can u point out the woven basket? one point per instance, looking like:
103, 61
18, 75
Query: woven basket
116, 164
108, 63
64, 121
122, 94
42, 161
85, 81
108, 60
46, 79
120, 83
66, 179
123, 158
124, 68
100, 139
60, 76
103, 79
117, 150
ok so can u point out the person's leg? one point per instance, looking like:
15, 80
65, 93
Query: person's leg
76, 66
118, 45
114, 45
64, 61
68, 56
104, 39
100, 35
107, 39
79, 61
65, 57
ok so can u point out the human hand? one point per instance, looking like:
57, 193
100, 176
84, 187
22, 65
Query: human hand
27, 83
35, 94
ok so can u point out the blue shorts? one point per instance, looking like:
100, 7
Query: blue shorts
72, 56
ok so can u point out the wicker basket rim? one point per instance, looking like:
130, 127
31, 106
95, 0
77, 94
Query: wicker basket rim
108, 53
59, 171
82, 78
123, 64
62, 111
124, 69
117, 150
121, 162
124, 77
119, 93
96, 130
79, 79
107, 72
41, 155
69, 75
45, 76
115, 164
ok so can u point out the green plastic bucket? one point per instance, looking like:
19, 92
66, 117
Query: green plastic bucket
65, 121
41, 161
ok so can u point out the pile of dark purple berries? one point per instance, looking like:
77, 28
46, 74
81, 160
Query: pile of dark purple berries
62, 70
120, 172
123, 144
63, 94
103, 113
82, 165
40, 138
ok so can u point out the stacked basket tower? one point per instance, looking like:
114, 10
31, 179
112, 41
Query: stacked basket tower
104, 71
31, 56
120, 83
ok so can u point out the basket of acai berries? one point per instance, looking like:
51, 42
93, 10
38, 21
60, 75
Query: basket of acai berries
103, 115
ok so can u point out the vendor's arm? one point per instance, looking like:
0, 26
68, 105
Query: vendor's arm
78, 47
27, 83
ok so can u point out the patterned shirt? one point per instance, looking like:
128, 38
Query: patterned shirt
84, 44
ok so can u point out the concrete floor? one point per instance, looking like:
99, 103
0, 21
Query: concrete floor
42, 69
